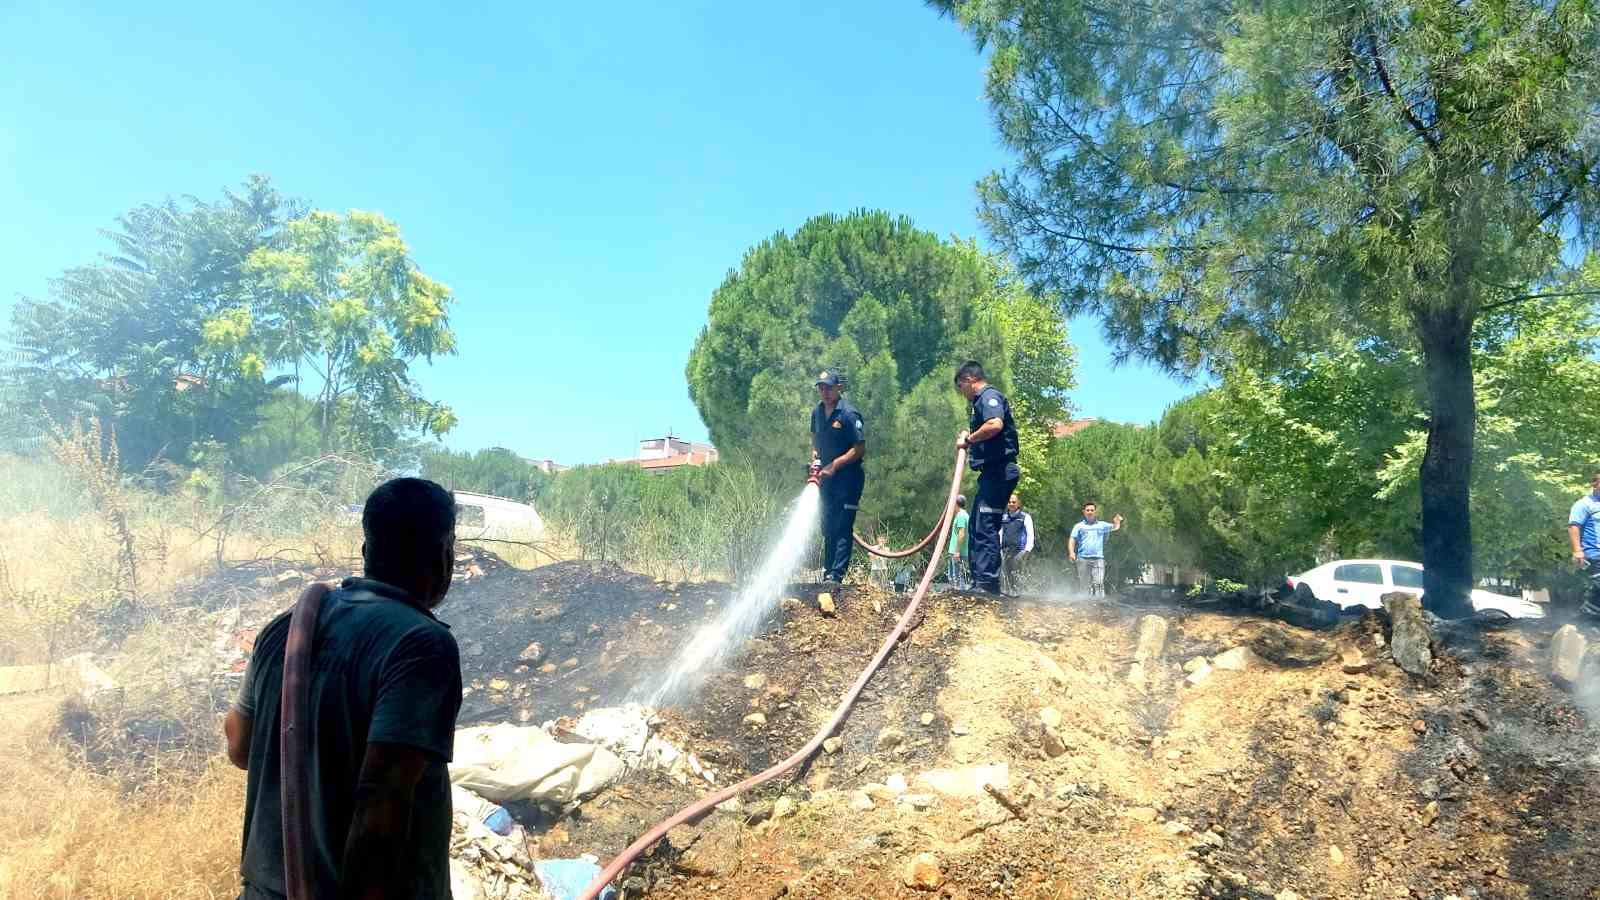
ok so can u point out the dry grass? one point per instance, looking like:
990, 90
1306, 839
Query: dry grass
67, 833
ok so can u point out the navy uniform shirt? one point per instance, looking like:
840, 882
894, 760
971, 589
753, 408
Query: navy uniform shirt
384, 670
834, 435
1002, 448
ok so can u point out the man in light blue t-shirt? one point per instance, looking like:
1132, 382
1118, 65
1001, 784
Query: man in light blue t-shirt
1583, 526
1086, 547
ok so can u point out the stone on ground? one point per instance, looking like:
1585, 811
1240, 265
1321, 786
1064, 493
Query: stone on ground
755, 682
966, 782
1050, 716
755, 718
1199, 675
1236, 660
860, 801
825, 603
832, 745
784, 808
890, 738
922, 872
1410, 643
1152, 639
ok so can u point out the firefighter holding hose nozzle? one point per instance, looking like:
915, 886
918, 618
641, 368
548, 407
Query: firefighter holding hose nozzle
838, 443
991, 445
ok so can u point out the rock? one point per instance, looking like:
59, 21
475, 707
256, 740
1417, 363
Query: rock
1335, 855
784, 808
1052, 742
571, 663
878, 791
532, 653
1136, 673
1050, 716
1567, 648
1195, 664
922, 872
896, 783
1430, 813
547, 668
1152, 639
825, 603
832, 745
1176, 828
732, 806
714, 853
917, 801
756, 719
889, 738
927, 718
1410, 643
1142, 813
499, 684
1355, 663
1236, 660
1419, 726
960, 730
966, 782
1200, 675
755, 682
1478, 717
791, 604
1286, 894
861, 801
472, 648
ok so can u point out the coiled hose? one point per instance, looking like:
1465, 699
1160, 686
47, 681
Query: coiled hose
623, 859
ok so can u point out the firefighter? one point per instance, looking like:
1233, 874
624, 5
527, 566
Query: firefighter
838, 443
991, 445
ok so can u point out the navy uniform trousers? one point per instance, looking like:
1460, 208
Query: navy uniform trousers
996, 481
841, 497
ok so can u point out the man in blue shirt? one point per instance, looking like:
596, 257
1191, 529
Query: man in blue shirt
991, 445
838, 442
1086, 547
1583, 527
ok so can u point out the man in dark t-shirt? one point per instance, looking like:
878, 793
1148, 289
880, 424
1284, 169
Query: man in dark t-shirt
385, 688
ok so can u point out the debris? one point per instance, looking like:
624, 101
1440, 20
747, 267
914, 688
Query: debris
959, 730
1236, 660
493, 816
1282, 648
509, 762
1567, 648
1050, 716
756, 719
890, 738
499, 684
927, 719
791, 604
832, 745
966, 782
1176, 828
755, 682
1410, 644
922, 872
1195, 664
1052, 742
1355, 663
566, 879
1152, 639
860, 801
784, 808
532, 653
547, 668
825, 603
1199, 675
571, 663
1335, 855
878, 791
1000, 798
1430, 813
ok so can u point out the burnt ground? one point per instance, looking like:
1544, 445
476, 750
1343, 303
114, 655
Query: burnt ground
1293, 775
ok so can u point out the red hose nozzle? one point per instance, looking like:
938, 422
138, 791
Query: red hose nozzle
814, 474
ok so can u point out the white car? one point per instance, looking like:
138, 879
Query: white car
1363, 582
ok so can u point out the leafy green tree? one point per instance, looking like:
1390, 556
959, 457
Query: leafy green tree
1232, 182
495, 471
340, 297
895, 309
145, 339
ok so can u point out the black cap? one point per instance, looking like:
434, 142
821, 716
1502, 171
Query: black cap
830, 377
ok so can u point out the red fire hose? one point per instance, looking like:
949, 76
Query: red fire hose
916, 548
699, 807
294, 742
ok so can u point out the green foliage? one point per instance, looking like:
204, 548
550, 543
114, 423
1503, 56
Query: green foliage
340, 296
690, 522
496, 471
894, 309
143, 339
1233, 184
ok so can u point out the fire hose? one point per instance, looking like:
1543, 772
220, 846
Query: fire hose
814, 476
294, 741
705, 804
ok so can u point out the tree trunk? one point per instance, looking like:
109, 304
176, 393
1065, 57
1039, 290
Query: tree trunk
1446, 337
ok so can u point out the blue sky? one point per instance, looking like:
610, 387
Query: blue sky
582, 177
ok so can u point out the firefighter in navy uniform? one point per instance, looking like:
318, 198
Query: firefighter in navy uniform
838, 442
991, 445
